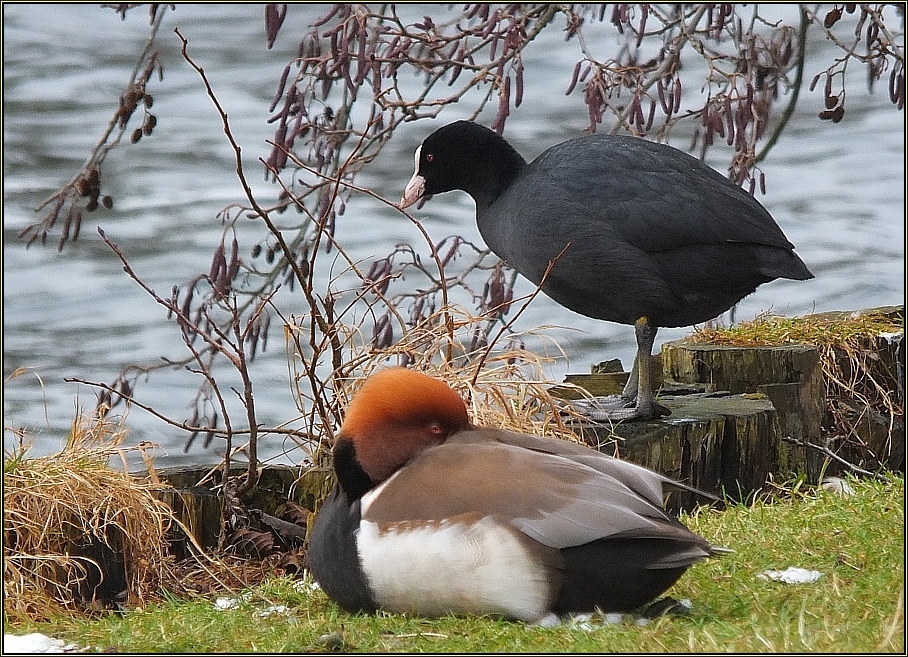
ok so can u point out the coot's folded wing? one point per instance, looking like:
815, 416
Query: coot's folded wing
656, 196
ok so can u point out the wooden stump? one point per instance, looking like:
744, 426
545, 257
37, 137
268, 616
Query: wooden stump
199, 510
862, 420
738, 369
199, 507
718, 444
790, 375
732, 443
605, 379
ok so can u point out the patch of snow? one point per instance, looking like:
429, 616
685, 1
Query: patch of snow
549, 620
35, 643
226, 603
273, 610
837, 485
792, 575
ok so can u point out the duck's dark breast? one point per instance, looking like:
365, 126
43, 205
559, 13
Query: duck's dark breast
333, 557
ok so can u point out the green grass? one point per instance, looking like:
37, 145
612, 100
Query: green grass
857, 543
827, 329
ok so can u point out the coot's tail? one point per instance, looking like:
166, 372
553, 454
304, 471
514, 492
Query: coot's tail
782, 263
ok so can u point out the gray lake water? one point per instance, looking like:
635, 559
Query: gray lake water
838, 192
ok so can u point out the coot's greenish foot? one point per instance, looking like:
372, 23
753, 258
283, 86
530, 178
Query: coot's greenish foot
639, 233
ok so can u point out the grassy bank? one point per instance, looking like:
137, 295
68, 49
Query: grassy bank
857, 605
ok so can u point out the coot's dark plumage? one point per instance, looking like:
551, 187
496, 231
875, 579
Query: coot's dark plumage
433, 515
647, 234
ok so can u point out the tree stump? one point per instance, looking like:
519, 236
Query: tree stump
846, 395
790, 376
199, 508
731, 443
738, 369
719, 444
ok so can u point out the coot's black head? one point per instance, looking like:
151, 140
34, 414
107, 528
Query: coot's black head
465, 156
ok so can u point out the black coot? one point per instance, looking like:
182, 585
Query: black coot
641, 233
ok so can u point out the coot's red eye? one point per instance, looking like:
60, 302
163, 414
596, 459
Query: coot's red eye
430, 158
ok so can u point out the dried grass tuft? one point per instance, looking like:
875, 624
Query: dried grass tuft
502, 381
66, 514
862, 383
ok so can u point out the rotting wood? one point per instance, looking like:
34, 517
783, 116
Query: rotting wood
730, 443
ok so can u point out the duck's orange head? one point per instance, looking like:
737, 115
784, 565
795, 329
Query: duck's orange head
396, 414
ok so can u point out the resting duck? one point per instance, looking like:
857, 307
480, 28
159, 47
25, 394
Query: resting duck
432, 515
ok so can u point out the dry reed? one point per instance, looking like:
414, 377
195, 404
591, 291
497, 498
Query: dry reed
502, 382
75, 529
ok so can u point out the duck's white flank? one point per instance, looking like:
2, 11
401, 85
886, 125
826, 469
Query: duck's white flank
450, 566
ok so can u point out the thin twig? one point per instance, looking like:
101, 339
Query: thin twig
511, 321
828, 452
131, 400
101, 149
795, 91
167, 304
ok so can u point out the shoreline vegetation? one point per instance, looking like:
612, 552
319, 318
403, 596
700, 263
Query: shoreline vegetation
855, 541
89, 554
64, 514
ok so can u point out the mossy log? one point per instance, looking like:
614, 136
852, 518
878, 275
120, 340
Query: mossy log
727, 443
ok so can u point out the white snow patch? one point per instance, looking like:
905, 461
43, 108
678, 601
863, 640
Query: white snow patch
273, 610
35, 643
226, 603
791, 575
837, 485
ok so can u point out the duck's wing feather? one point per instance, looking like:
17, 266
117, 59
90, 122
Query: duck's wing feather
641, 480
543, 489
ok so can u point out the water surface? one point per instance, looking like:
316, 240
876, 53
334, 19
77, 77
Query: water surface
836, 191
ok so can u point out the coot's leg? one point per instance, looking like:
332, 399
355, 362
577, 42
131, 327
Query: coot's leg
629, 393
647, 408
639, 387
